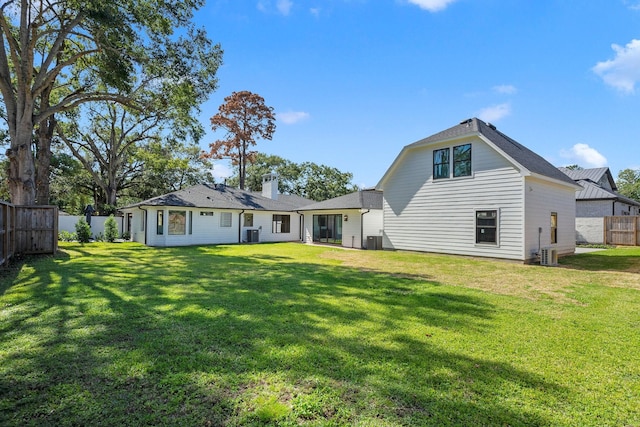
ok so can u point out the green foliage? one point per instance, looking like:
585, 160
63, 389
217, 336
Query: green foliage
83, 231
110, 229
290, 334
308, 179
628, 183
67, 236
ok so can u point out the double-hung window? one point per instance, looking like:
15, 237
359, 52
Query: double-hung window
487, 227
225, 219
177, 222
281, 224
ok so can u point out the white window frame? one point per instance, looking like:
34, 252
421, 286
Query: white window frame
226, 220
475, 227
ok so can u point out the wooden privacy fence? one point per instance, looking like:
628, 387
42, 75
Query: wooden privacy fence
27, 230
7, 232
622, 230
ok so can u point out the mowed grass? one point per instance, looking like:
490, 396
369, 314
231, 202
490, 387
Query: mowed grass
290, 334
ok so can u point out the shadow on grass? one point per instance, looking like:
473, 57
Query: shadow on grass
184, 337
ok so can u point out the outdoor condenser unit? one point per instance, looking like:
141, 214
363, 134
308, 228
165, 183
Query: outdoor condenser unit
253, 236
549, 256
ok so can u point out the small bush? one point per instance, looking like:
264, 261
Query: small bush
83, 231
110, 229
126, 235
67, 236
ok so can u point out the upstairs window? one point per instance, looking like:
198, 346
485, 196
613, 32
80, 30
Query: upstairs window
462, 160
441, 163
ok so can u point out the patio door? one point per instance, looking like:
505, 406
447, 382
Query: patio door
327, 229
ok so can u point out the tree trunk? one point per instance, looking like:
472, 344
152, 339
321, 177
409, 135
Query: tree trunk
21, 165
43, 160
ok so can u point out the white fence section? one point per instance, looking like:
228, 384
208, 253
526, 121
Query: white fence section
68, 223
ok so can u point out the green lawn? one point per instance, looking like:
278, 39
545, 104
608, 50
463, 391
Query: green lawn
290, 334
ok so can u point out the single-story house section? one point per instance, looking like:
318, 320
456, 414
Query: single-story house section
216, 214
353, 220
598, 197
472, 190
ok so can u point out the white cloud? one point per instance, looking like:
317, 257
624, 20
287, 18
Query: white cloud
623, 71
221, 171
291, 117
432, 5
494, 112
505, 89
584, 155
315, 11
284, 6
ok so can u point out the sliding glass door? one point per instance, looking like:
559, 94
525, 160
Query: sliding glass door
327, 229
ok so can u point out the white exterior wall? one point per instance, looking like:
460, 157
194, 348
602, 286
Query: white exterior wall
263, 221
541, 199
602, 208
207, 230
439, 216
590, 230
68, 223
353, 235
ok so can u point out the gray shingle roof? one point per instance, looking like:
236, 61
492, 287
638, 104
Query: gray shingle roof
223, 197
363, 199
522, 155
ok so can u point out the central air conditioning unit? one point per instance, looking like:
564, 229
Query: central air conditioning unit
253, 236
549, 256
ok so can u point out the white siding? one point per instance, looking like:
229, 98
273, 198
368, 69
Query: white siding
543, 198
207, 229
439, 216
263, 222
353, 236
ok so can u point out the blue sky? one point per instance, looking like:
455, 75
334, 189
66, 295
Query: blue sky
353, 81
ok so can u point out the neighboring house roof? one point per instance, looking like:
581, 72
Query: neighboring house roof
589, 180
517, 152
594, 174
220, 196
363, 199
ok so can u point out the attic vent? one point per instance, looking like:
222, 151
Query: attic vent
466, 122
492, 126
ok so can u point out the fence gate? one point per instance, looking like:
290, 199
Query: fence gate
622, 230
36, 229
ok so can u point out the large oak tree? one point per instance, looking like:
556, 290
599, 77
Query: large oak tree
58, 54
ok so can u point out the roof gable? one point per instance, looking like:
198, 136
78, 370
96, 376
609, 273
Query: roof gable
520, 155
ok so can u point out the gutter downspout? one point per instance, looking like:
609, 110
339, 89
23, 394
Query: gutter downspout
362, 214
146, 225
613, 208
240, 226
